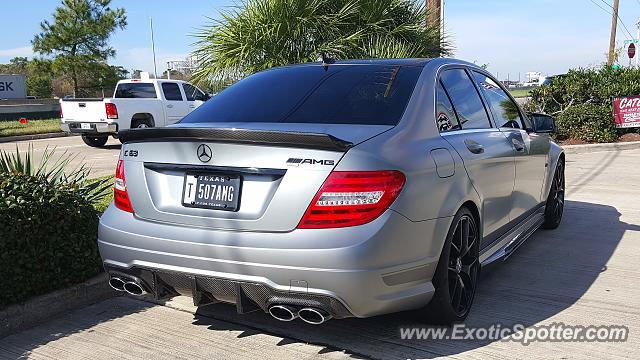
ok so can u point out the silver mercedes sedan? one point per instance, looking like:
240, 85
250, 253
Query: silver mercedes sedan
334, 190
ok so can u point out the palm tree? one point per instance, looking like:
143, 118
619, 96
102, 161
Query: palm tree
259, 34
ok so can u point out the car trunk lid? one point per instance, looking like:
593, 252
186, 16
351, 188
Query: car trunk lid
279, 171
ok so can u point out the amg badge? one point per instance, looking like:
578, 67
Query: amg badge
298, 162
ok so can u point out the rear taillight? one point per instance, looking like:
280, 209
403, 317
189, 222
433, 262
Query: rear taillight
61, 115
350, 198
120, 195
112, 110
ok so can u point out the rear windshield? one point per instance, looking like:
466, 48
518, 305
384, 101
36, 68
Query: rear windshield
339, 94
135, 90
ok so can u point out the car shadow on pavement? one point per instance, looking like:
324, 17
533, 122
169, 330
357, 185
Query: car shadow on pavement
547, 275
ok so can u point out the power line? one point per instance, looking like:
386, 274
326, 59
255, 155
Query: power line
610, 13
625, 27
600, 6
606, 3
619, 19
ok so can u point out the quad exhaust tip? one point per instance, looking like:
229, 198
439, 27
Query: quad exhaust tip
309, 315
283, 312
131, 286
134, 288
116, 283
314, 316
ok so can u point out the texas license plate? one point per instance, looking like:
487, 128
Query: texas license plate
211, 191
85, 126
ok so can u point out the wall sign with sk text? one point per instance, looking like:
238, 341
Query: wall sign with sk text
626, 111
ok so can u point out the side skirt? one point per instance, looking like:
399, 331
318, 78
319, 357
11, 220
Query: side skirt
509, 242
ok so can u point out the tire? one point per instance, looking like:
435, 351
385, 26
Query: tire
456, 276
141, 124
95, 141
554, 207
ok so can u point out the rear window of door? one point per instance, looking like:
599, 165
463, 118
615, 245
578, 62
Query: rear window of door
336, 94
446, 117
465, 99
171, 92
505, 111
135, 91
193, 93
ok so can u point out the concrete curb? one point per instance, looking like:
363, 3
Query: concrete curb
39, 309
7, 139
589, 148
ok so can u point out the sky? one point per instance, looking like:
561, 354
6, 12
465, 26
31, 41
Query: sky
512, 37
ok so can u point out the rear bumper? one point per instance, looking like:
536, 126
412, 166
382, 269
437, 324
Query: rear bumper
246, 295
383, 267
96, 128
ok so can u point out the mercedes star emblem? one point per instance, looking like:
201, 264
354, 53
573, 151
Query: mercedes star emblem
204, 153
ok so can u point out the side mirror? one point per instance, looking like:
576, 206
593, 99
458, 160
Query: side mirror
543, 124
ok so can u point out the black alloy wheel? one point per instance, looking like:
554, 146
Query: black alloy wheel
555, 201
457, 273
463, 265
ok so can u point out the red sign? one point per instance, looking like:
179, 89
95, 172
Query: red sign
631, 51
626, 112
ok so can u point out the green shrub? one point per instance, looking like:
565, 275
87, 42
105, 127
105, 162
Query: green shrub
48, 225
587, 122
583, 102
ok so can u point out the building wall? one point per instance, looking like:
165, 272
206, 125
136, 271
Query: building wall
29, 109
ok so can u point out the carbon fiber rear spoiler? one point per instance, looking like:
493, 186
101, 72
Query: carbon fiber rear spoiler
238, 136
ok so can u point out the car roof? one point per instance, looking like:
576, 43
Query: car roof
147, 81
397, 62
420, 62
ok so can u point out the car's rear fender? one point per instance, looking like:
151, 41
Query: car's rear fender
437, 183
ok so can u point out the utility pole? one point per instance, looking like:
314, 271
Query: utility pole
614, 28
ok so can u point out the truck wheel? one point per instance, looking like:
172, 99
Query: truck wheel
95, 141
141, 124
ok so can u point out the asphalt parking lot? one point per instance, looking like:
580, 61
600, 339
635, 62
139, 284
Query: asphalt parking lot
102, 161
584, 273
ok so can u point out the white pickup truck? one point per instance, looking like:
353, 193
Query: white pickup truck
135, 104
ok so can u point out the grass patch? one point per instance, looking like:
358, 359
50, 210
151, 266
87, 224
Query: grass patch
102, 205
14, 127
520, 93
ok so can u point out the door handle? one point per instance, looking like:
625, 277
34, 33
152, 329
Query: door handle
517, 145
192, 106
474, 147
170, 106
